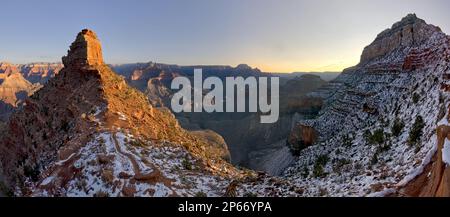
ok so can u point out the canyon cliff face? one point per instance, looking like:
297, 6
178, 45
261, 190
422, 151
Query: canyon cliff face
302, 136
434, 181
87, 133
409, 32
14, 89
250, 142
60, 126
380, 127
18, 81
39, 72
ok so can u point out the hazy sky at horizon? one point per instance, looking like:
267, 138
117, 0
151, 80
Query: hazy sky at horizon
273, 35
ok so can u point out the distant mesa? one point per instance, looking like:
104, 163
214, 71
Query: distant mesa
243, 67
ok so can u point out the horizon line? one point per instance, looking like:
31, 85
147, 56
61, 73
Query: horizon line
187, 65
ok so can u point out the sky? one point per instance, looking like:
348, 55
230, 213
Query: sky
272, 35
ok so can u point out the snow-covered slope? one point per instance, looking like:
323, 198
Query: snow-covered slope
87, 133
382, 131
359, 151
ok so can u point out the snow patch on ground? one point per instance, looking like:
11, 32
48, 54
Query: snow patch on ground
359, 167
47, 180
382, 193
446, 152
419, 170
122, 116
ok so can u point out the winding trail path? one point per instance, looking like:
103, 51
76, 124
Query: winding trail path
136, 168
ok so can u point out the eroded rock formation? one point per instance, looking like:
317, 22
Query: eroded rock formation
301, 137
410, 31
85, 51
85, 121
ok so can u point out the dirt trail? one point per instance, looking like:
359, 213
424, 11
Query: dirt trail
136, 168
153, 177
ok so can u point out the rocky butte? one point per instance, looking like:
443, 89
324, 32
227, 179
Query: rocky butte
87, 133
85, 51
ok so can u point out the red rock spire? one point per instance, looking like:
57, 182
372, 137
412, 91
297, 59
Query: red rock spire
85, 51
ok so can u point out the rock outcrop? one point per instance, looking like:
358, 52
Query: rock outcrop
435, 178
409, 32
85, 51
87, 127
301, 137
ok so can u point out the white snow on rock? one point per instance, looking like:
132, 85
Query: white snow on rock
366, 99
47, 180
362, 100
446, 152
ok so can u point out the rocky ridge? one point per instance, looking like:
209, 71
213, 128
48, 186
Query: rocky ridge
87, 133
409, 32
105, 139
378, 129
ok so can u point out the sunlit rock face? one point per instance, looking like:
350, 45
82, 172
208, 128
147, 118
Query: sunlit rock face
410, 31
86, 50
14, 89
82, 127
40, 72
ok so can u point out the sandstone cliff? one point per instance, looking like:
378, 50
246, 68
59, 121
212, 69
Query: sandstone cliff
409, 32
85, 51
